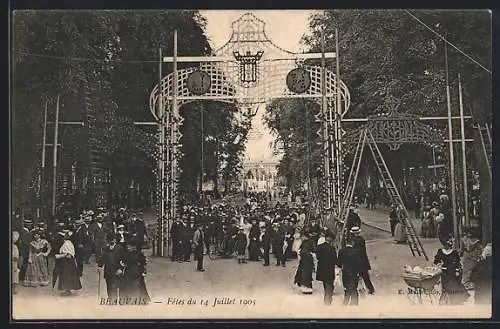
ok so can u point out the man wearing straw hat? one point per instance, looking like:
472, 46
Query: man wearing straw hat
360, 244
349, 259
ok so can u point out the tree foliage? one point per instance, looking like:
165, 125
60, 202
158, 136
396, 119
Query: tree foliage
293, 124
386, 55
103, 65
387, 52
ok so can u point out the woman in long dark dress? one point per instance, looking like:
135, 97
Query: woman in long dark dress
241, 245
134, 285
454, 292
304, 275
68, 275
254, 248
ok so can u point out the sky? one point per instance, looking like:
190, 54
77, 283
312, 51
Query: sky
285, 28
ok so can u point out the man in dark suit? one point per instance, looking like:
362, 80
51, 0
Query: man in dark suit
359, 243
80, 239
98, 232
266, 240
25, 238
349, 259
139, 228
112, 263
187, 239
325, 272
279, 245
176, 236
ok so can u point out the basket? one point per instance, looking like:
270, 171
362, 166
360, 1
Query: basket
419, 281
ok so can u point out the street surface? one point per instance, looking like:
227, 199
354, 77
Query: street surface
249, 290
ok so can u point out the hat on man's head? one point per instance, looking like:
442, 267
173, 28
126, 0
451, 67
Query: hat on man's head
67, 232
120, 226
355, 230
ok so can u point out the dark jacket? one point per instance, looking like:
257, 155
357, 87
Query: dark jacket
176, 231
327, 259
359, 243
266, 240
112, 260
349, 259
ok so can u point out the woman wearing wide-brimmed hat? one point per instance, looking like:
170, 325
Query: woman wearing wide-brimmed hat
68, 275
37, 272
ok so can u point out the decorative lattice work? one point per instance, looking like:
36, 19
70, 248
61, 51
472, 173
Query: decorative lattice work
249, 38
395, 129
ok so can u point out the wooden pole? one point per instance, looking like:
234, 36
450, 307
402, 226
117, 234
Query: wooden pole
202, 150
54, 158
452, 156
338, 148
464, 158
326, 163
41, 177
161, 162
173, 139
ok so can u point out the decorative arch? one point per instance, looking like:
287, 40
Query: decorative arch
395, 129
248, 48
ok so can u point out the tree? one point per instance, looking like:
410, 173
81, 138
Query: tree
103, 65
293, 123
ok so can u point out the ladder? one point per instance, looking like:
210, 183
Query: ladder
351, 183
486, 144
414, 242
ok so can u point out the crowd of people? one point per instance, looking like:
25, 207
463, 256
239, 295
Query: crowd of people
249, 232
254, 231
114, 241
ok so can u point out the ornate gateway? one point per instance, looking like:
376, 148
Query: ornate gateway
248, 70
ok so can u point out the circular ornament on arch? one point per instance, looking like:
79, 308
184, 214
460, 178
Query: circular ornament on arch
199, 82
298, 80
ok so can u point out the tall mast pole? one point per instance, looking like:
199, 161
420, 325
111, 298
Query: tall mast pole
161, 162
338, 146
202, 150
452, 156
54, 158
41, 177
464, 158
173, 138
326, 205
